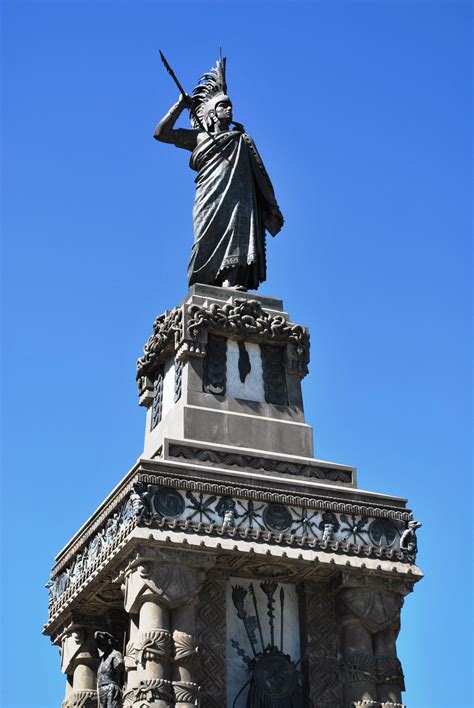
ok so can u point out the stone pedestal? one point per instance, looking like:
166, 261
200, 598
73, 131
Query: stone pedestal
229, 561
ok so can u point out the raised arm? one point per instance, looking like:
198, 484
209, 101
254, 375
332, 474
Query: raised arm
165, 132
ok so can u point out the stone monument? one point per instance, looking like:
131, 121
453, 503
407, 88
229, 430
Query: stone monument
230, 568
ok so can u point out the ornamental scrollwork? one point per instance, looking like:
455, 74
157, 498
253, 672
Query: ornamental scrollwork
167, 330
183, 332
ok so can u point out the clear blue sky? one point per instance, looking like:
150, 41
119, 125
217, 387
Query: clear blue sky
362, 113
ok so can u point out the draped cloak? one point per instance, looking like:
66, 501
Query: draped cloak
234, 205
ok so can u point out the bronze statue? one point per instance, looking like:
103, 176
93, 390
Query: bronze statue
235, 203
408, 540
109, 672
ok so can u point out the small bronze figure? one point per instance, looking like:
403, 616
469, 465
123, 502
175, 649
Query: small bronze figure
109, 672
235, 203
408, 540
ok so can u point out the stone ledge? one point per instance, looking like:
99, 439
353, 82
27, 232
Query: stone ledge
227, 456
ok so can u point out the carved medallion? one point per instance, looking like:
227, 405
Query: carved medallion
275, 675
383, 532
168, 502
277, 518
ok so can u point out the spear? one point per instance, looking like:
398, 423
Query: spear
269, 588
282, 604
252, 592
181, 89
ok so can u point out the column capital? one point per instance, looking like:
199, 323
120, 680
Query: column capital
77, 645
354, 579
169, 577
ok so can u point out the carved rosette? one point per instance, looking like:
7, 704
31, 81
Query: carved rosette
359, 666
81, 699
154, 645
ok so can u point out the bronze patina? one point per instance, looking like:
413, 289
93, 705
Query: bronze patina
235, 203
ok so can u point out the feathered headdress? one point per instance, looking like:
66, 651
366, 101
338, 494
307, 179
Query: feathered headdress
211, 89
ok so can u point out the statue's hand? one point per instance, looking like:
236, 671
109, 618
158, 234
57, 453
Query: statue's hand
185, 101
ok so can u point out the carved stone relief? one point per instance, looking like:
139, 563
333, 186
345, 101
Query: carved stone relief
215, 366
152, 504
274, 374
322, 666
174, 584
157, 406
263, 645
184, 331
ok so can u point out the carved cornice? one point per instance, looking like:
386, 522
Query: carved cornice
233, 511
183, 332
277, 496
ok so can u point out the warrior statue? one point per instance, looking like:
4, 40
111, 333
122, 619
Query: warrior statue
109, 671
234, 204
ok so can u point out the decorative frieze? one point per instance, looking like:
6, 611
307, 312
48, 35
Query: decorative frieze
272, 522
267, 464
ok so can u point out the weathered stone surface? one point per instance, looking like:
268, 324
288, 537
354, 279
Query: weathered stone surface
228, 488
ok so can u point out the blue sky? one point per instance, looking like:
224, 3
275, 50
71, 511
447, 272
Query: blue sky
362, 112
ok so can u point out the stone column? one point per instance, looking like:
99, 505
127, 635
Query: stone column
369, 620
130, 661
154, 653
160, 585
359, 668
79, 662
185, 679
389, 669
